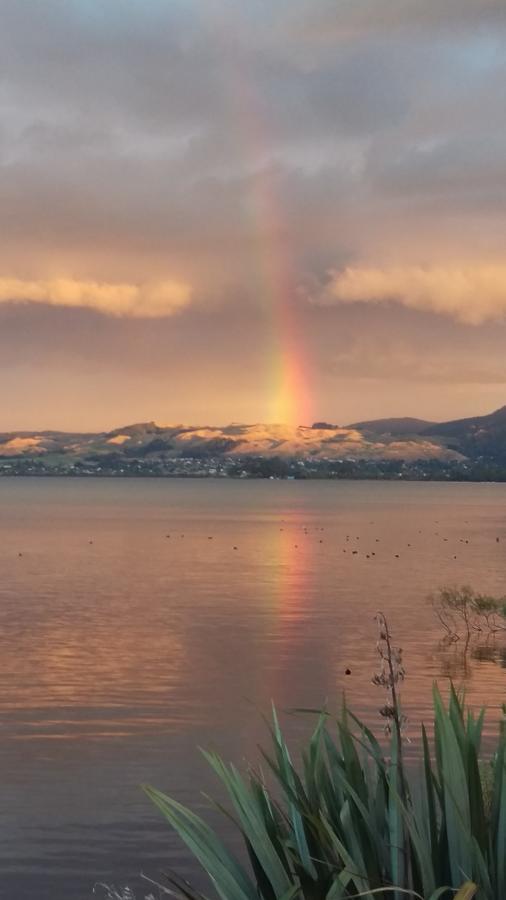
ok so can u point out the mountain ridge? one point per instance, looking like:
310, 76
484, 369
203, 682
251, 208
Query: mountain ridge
378, 439
400, 425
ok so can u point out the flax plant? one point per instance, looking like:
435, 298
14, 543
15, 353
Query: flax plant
351, 821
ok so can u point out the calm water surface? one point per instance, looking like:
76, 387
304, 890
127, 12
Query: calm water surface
142, 618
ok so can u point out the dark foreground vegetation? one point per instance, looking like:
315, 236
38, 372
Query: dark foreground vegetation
351, 819
355, 824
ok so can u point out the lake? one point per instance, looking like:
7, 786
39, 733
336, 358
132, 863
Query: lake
143, 618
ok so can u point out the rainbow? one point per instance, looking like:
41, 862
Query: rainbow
287, 377
289, 380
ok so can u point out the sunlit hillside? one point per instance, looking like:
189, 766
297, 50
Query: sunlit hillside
149, 440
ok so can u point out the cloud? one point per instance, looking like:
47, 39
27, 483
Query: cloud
148, 301
327, 21
471, 294
245, 150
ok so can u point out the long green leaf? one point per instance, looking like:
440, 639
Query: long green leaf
253, 824
499, 820
298, 826
456, 797
226, 873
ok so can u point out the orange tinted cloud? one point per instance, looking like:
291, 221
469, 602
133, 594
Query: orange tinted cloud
149, 300
472, 294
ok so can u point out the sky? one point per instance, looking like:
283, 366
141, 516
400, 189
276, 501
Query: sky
217, 211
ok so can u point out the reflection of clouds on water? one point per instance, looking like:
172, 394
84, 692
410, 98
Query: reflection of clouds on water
96, 675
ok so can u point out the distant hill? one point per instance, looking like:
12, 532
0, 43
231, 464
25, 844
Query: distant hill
150, 441
478, 436
409, 439
492, 422
401, 426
